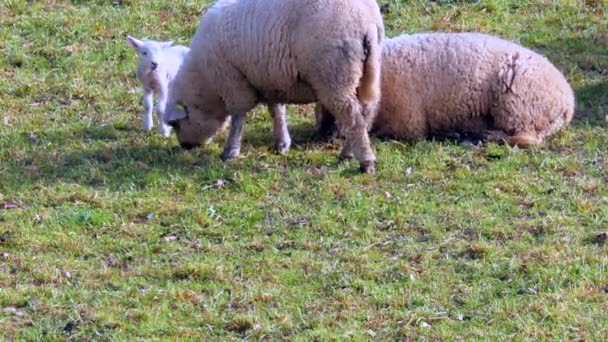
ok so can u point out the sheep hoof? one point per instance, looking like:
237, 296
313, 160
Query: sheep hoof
524, 140
368, 167
164, 130
230, 154
282, 147
147, 128
345, 154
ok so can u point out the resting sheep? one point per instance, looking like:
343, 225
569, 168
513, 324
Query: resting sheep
451, 83
247, 52
158, 64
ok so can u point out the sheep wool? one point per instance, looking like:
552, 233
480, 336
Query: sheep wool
158, 65
247, 52
444, 83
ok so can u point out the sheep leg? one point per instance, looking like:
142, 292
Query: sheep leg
358, 141
347, 151
163, 128
148, 102
494, 135
282, 140
326, 126
326, 123
233, 145
350, 120
239, 98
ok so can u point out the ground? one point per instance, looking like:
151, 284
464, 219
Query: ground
107, 232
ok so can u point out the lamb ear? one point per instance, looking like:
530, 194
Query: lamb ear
174, 113
166, 44
134, 42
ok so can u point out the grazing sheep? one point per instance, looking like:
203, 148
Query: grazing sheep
158, 64
280, 51
453, 83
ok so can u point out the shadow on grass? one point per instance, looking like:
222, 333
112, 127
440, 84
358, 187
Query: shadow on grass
303, 134
592, 103
121, 167
131, 161
120, 158
583, 57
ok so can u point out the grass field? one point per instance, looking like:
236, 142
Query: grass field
109, 233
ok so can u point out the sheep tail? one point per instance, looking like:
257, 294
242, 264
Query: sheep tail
368, 91
369, 86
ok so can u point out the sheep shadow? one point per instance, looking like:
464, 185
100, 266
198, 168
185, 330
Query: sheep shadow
592, 104
583, 58
100, 159
116, 158
303, 135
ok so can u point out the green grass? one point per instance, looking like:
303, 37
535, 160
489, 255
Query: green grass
119, 235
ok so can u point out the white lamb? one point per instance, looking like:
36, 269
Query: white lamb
471, 83
158, 65
247, 52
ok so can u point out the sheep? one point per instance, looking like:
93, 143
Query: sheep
466, 83
279, 52
158, 65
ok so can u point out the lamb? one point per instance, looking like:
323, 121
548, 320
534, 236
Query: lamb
158, 65
467, 83
278, 52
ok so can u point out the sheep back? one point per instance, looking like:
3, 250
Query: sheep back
468, 82
279, 49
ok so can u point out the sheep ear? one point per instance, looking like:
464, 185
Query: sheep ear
134, 42
174, 113
166, 44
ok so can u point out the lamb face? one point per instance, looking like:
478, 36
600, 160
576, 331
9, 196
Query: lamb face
151, 53
156, 65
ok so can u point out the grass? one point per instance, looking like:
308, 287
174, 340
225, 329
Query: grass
109, 233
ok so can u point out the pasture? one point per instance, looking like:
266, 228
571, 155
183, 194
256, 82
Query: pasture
109, 233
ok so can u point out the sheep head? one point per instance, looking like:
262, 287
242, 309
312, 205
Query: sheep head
151, 52
193, 126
